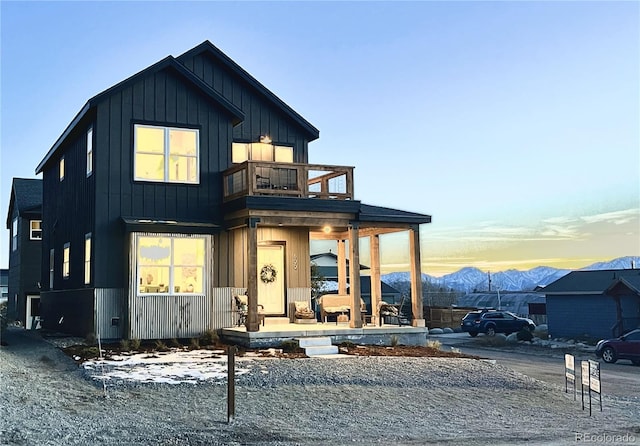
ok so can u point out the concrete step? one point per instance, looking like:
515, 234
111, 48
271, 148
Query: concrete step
320, 350
317, 341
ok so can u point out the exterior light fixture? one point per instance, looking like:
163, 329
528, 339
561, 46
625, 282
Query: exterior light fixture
265, 139
326, 229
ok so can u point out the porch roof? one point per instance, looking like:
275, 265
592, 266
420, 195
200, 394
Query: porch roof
379, 214
133, 224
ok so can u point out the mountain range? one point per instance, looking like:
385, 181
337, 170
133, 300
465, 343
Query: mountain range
470, 278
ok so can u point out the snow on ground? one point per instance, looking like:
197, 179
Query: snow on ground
173, 367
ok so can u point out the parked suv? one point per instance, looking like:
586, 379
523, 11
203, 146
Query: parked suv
494, 321
624, 347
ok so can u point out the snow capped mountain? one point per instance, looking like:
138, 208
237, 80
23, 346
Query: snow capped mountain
469, 279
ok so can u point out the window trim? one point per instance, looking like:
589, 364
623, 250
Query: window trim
52, 258
173, 267
31, 236
166, 153
66, 260
89, 152
88, 244
14, 234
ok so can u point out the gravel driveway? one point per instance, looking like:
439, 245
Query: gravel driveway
47, 400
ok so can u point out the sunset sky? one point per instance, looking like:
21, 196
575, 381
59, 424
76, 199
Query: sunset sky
514, 124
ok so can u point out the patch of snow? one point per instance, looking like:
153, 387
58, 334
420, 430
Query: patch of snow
175, 367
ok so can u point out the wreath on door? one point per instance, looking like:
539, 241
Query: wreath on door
268, 273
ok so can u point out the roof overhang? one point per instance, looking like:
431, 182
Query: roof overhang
168, 226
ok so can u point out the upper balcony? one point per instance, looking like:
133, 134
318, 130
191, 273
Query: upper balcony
289, 180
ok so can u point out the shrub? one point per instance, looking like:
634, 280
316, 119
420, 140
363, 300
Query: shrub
434, 343
395, 340
290, 346
125, 345
194, 344
174, 343
135, 344
160, 346
209, 337
525, 335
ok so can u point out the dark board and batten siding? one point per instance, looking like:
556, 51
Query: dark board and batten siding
263, 118
68, 211
160, 98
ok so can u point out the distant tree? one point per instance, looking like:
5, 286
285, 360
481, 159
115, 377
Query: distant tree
317, 281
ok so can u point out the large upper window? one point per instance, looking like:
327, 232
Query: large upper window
90, 151
36, 230
14, 235
171, 265
260, 151
65, 260
166, 154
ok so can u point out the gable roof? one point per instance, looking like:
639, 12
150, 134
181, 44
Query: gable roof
632, 283
370, 213
214, 52
168, 62
590, 282
26, 196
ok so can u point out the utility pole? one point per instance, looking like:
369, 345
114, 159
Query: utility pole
489, 274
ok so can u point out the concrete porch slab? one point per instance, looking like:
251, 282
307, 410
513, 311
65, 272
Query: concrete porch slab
273, 335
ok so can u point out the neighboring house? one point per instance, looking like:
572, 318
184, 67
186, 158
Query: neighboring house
529, 304
327, 264
598, 304
183, 185
24, 221
4, 285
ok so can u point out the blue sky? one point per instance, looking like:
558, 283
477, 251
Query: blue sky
514, 124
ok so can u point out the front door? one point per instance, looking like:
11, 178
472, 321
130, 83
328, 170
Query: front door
271, 279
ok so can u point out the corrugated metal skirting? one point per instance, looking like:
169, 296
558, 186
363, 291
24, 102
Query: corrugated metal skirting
109, 303
167, 317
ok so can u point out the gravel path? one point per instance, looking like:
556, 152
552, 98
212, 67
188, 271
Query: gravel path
47, 400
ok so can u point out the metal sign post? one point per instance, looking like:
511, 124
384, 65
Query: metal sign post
594, 381
569, 373
585, 382
231, 383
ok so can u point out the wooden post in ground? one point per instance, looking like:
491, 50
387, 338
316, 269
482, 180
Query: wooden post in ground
231, 383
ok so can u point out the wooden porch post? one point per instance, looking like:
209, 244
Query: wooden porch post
253, 323
354, 276
416, 277
342, 268
376, 286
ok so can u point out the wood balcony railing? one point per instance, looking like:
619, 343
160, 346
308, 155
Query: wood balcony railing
288, 180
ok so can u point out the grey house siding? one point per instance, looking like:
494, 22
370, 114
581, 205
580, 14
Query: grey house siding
595, 318
262, 117
160, 98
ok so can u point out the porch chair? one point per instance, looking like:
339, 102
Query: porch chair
242, 309
303, 314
